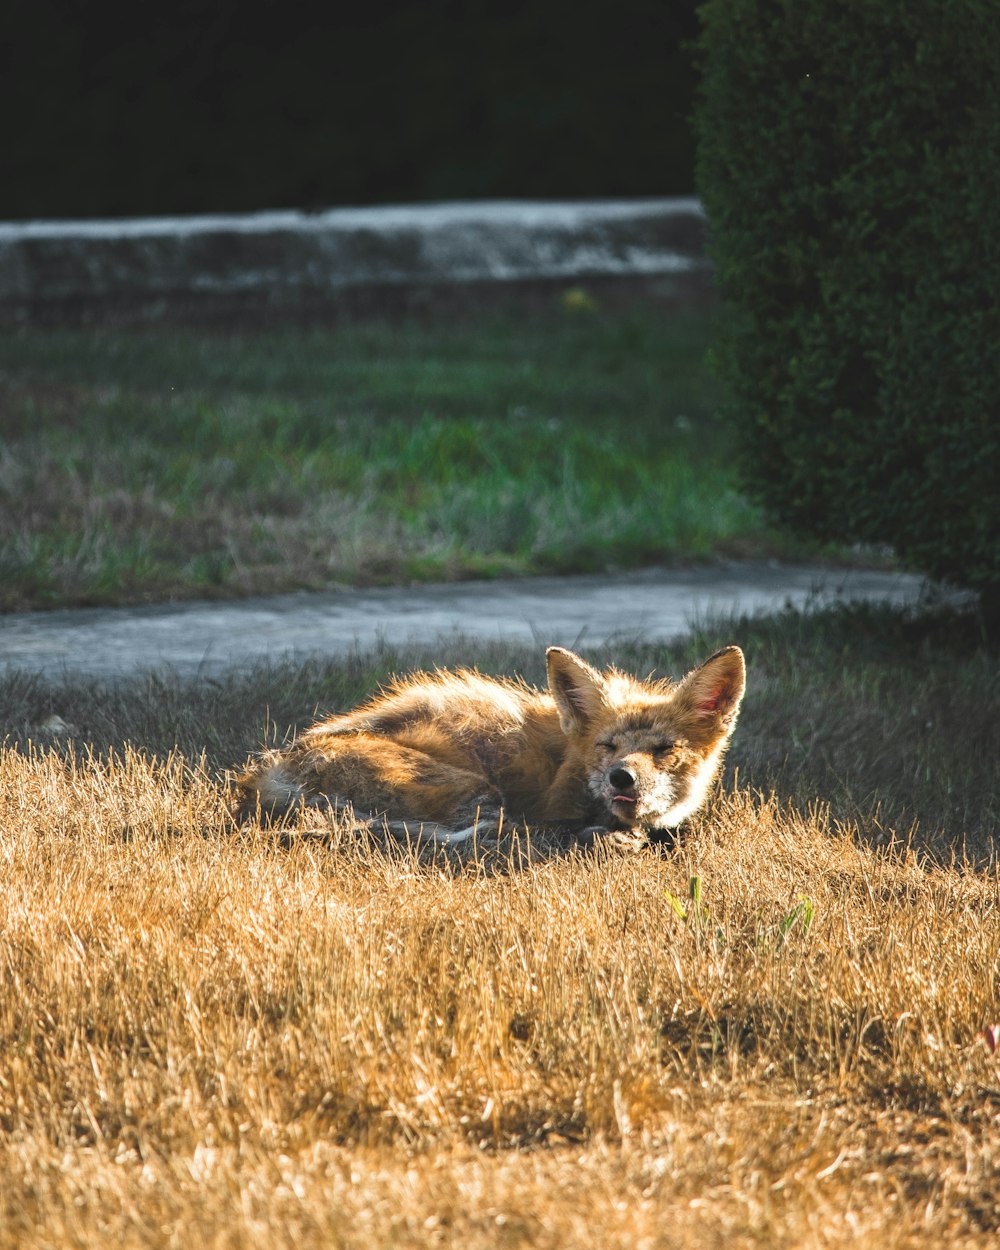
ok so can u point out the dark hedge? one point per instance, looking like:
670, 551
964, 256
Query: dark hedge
849, 161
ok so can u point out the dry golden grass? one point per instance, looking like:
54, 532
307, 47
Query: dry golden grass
225, 1040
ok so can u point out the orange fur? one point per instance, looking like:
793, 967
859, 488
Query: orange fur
455, 751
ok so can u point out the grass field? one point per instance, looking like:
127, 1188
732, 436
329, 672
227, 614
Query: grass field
779, 1033
140, 465
769, 1036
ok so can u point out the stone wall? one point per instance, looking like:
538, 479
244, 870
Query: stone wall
290, 264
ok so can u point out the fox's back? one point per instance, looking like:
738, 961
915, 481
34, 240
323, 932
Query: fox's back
460, 707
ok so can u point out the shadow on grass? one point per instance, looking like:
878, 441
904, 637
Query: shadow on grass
892, 721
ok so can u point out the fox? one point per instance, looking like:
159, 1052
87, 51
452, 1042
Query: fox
443, 756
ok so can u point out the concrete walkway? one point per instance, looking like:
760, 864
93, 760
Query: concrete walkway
209, 638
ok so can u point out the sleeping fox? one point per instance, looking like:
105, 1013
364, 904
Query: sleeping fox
444, 755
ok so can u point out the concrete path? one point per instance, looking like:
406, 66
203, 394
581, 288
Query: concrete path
209, 638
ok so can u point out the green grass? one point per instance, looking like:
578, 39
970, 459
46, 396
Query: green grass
143, 464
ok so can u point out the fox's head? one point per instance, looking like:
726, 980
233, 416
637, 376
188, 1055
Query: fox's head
649, 750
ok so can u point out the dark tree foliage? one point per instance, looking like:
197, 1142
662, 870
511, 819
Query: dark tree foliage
849, 160
125, 108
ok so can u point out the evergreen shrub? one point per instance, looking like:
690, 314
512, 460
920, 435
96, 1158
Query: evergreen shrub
849, 162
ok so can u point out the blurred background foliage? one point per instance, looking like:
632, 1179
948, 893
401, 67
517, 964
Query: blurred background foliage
127, 109
860, 342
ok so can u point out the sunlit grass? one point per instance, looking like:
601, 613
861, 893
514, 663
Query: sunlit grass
770, 1035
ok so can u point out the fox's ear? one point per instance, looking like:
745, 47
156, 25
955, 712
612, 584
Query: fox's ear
577, 689
713, 691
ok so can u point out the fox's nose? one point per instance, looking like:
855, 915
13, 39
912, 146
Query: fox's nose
621, 778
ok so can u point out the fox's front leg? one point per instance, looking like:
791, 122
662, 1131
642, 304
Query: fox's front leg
620, 839
479, 819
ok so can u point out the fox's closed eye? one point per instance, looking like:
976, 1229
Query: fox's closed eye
661, 748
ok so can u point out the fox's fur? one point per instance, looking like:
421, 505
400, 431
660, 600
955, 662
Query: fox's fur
445, 754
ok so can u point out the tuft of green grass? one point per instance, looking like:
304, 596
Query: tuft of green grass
144, 464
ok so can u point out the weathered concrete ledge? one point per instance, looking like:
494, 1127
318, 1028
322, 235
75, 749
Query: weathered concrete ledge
296, 263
